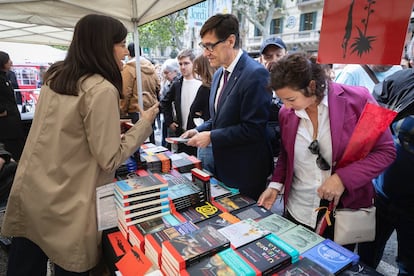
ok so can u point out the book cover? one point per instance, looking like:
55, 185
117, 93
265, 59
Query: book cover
276, 224
157, 224
141, 185
243, 232
118, 243
219, 221
188, 249
265, 256
217, 190
200, 212
233, 202
284, 246
301, 238
201, 179
254, 212
304, 267
226, 262
331, 256
134, 262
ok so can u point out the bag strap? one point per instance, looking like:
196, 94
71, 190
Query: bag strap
370, 73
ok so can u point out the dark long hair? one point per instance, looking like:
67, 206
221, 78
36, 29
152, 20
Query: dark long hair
91, 52
4, 58
296, 71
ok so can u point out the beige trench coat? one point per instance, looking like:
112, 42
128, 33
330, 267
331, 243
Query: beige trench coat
74, 145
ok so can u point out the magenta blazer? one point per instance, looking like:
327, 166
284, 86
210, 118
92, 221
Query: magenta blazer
345, 106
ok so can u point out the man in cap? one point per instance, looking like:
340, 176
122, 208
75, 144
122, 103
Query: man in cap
272, 49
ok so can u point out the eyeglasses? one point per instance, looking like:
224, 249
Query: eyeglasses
210, 46
320, 161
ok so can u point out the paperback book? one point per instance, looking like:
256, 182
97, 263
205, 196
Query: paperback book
264, 256
254, 212
301, 238
304, 267
276, 224
219, 221
226, 262
185, 250
217, 190
233, 202
243, 232
199, 212
141, 185
201, 179
331, 256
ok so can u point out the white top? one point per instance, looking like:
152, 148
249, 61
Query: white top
188, 93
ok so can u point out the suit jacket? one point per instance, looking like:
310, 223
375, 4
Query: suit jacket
241, 148
345, 105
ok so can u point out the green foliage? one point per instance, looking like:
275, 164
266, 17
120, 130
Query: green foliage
162, 32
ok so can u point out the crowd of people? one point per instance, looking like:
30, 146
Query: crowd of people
277, 125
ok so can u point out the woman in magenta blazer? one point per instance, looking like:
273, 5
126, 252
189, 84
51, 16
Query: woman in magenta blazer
316, 122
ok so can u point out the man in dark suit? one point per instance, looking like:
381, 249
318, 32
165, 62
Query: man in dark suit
239, 108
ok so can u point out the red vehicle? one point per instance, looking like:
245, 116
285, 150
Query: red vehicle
30, 78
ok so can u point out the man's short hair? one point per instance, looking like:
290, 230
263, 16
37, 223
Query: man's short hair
186, 53
131, 49
222, 25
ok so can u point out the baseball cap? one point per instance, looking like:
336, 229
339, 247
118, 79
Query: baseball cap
277, 41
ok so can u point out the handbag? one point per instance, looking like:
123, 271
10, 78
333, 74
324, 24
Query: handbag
354, 226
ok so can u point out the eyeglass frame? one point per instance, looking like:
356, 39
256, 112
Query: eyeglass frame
320, 161
210, 46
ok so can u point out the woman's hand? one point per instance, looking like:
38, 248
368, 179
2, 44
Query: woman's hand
150, 114
331, 189
268, 198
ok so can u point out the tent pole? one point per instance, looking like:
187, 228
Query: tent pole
137, 55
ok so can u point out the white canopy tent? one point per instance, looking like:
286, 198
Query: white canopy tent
51, 22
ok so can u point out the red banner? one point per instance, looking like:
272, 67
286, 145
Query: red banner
364, 31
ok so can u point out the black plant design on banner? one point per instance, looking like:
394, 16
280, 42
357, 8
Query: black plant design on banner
348, 29
363, 42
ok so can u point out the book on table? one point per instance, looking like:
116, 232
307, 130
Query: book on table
301, 238
131, 202
254, 212
219, 221
264, 256
134, 262
285, 246
217, 190
332, 256
304, 266
201, 179
233, 202
185, 250
162, 211
225, 262
198, 212
276, 224
243, 232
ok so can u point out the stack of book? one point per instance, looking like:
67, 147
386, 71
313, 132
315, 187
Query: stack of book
153, 241
138, 231
165, 162
140, 199
218, 189
198, 212
183, 251
182, 192
183, 162
201, 179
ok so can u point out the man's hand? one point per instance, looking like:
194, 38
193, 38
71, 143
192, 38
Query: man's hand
150, 114
200, 140
268, 198
189, 133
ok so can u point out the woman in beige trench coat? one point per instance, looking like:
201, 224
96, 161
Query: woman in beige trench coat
74, 145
